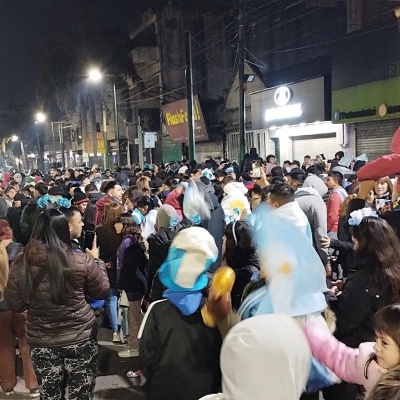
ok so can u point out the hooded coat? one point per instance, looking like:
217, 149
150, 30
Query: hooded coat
314, 207
264, 358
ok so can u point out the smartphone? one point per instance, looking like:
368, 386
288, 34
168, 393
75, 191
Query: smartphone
256, 170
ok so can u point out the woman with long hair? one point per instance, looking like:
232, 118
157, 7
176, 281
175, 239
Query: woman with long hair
131, 276
381, 196
109, 241
51, 281
130, 197
373, 283
143, 184
145, 214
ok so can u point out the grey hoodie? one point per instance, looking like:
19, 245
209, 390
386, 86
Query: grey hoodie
317, 183
315, 209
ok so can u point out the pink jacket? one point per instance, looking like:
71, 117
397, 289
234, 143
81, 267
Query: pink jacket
347, 363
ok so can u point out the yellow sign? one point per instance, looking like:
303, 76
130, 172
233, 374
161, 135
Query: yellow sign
87, 143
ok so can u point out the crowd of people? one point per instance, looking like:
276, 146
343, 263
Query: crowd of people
315, 251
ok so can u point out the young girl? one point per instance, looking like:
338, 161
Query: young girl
372, 365
131, 276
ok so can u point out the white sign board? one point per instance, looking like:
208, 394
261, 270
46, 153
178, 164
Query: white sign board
150, 140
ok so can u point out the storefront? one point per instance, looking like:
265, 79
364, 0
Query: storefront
374, 110
297, 120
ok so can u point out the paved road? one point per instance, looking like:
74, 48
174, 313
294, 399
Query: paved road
112, 383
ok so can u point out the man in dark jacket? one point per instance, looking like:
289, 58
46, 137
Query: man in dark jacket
89, 216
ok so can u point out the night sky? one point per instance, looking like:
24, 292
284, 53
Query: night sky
23, 23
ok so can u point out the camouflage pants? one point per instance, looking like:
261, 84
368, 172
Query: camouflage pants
69, 367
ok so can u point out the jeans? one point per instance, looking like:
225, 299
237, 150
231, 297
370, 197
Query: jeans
112, 308
74, 367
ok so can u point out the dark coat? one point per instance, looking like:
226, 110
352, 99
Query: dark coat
133, 274
159, 244
108, 241
51, 325
180, 346
244, 275
365, 292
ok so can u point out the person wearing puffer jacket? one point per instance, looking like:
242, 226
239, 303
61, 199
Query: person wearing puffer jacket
366, 364
51, 281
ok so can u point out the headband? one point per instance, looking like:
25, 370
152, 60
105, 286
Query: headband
234, 233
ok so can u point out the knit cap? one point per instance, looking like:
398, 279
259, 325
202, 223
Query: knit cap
166, 216
190, 256
79, 198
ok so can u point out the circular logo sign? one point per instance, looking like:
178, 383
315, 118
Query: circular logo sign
282, 96
382, 110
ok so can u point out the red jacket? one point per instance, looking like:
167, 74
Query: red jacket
333, 208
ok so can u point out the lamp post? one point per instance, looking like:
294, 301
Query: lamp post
96, 76
15, 138
40, 118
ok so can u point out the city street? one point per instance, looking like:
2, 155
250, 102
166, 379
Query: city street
112, 383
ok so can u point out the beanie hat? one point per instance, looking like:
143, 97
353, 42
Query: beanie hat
166, 217
79, 198
193, 251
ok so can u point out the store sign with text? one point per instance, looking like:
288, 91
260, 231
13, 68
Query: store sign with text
175, 116
289, 104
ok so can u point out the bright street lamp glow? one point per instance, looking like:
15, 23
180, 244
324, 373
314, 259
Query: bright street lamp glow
14, 138
95, 75
40, 117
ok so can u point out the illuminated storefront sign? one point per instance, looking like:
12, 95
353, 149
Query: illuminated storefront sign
282, 97
300, 102
284, 112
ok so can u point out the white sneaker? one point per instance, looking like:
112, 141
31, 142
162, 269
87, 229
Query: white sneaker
129, 353
116, 337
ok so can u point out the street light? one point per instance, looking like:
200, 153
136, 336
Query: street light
96, 76
40, 117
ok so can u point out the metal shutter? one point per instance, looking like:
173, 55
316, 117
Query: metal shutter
233, 144
313, 146
374, 137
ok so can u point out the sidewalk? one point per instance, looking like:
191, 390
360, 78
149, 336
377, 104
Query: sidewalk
111, 383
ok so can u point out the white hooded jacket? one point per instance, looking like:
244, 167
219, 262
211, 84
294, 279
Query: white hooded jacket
266, 357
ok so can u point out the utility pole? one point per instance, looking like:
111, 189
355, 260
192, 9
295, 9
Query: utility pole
64, 160
140, 142
189, 95
105, 135
117, 125
92, 113
242, 104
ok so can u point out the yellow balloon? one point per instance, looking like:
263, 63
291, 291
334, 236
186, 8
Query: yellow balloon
223, 281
